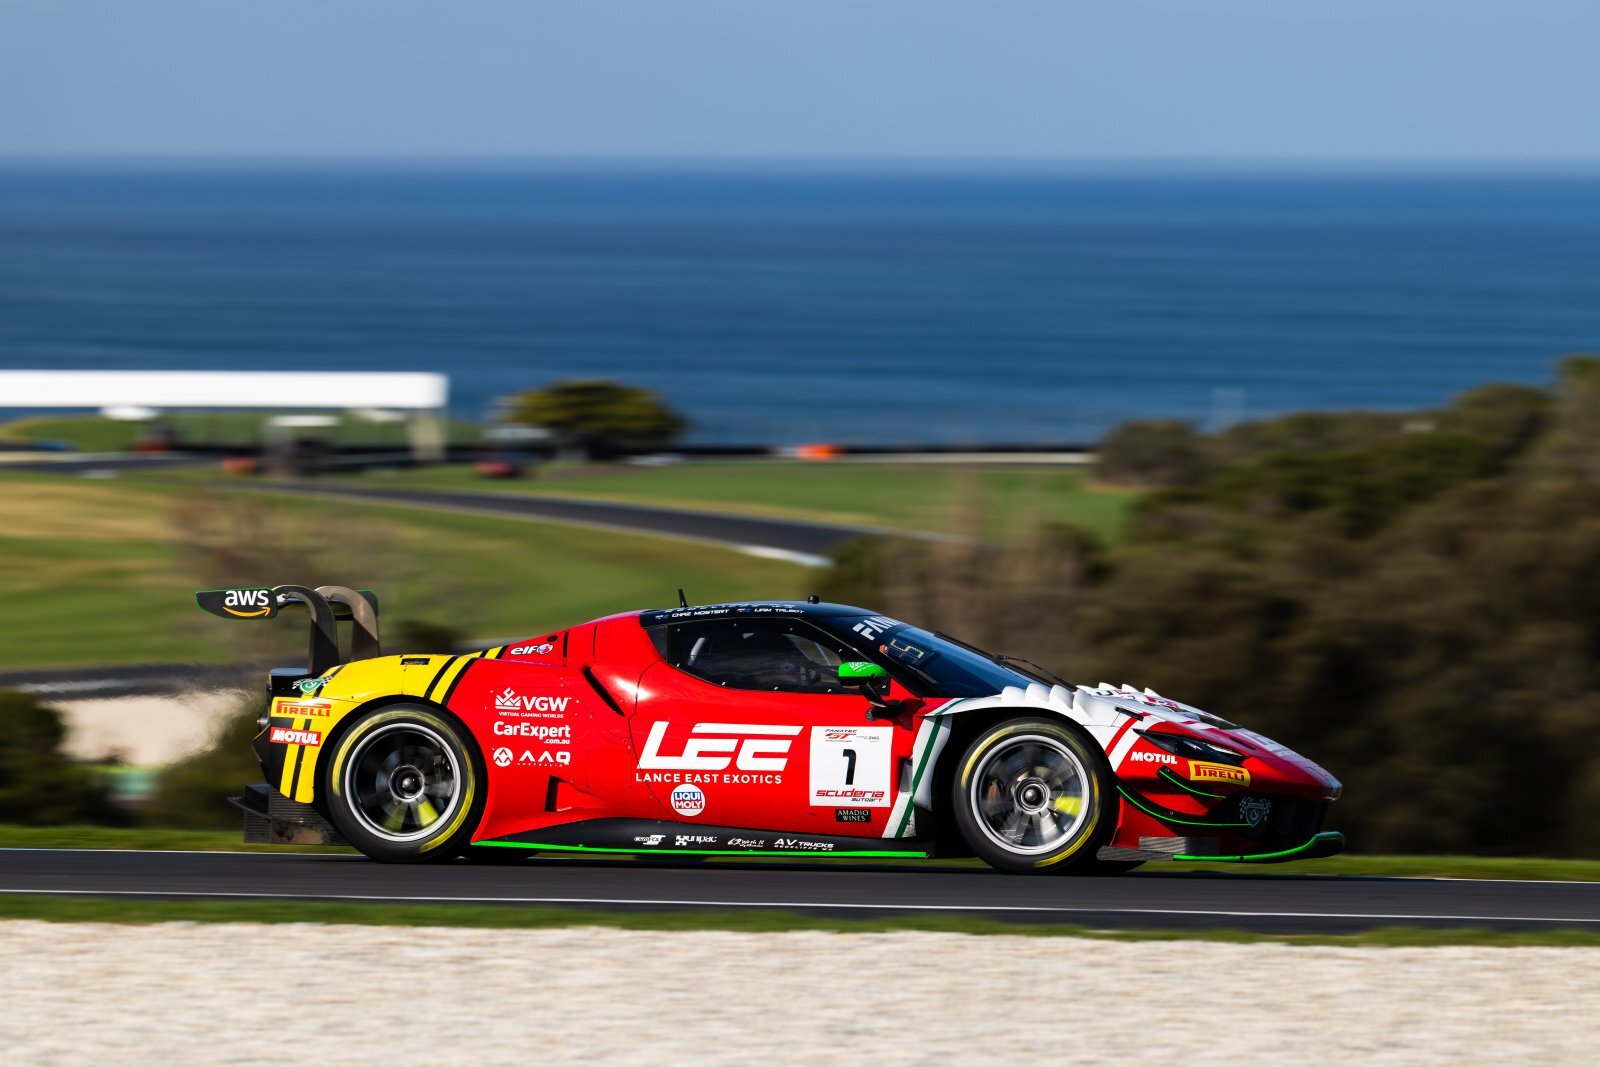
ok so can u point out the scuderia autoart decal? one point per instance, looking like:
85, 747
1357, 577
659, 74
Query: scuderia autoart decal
851, 766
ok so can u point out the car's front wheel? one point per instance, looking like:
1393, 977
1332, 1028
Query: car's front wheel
1034, 796
404, 785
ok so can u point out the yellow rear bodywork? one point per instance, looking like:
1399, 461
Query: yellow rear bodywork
345, 689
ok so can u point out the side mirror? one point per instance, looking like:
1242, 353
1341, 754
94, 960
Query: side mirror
871, 680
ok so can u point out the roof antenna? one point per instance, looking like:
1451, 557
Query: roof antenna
682, 603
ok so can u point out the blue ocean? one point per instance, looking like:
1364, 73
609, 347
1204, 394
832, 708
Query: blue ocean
852, 307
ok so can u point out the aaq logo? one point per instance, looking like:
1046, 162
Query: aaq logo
502, 757
688, 800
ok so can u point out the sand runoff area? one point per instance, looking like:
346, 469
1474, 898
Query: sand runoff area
178, 994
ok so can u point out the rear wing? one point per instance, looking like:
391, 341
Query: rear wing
327, 605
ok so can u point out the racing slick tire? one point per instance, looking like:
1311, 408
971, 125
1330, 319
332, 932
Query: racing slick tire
1034, 796
405, 785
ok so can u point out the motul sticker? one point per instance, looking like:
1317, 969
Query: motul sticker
282, 735
1218, 772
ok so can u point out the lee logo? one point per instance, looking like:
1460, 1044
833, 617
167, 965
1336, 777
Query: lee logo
1217, 772
284, 736
749, 748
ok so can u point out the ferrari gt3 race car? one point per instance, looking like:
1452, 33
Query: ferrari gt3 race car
785, 728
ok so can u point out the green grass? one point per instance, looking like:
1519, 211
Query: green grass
143, 839
1496, 867
82, 909
238, 429
103, 571
936, 497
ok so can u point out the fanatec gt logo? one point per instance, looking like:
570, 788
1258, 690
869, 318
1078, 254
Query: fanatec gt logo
747, 747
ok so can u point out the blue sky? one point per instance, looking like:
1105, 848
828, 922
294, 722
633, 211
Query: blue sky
1359, 81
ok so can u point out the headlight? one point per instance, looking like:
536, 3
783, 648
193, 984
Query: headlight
1192, 748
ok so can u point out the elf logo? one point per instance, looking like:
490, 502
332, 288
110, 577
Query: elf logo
509, 700
758, 748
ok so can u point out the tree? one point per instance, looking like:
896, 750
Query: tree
38, 785
603, 418
1407, 598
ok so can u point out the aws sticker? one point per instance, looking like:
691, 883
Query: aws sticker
238, 603
688, 800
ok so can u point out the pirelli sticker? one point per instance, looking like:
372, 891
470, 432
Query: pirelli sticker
1218, 772
301, 709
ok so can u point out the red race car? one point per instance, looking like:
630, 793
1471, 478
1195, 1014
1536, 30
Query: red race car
786, 728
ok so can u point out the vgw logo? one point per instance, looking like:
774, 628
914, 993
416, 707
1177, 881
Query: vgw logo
510, 700
750, 748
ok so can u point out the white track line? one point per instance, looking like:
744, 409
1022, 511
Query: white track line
612, 901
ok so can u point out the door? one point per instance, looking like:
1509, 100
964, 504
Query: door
744, 724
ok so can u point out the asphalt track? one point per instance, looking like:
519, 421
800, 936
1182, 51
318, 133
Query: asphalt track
796, 539
1266, 901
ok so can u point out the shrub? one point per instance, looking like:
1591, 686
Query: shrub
38, 785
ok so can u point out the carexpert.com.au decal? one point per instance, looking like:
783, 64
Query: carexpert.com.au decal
527, 717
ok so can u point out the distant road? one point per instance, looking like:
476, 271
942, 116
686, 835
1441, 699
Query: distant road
793, 540
1260, 900
797, 540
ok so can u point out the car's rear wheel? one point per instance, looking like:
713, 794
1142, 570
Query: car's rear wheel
404, 785
1034, 796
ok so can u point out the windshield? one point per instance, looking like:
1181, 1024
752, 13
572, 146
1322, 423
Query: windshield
938, 665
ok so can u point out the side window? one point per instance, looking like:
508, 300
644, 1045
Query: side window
773, 655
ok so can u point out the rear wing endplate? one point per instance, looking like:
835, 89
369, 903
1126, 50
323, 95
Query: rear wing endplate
327, 605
